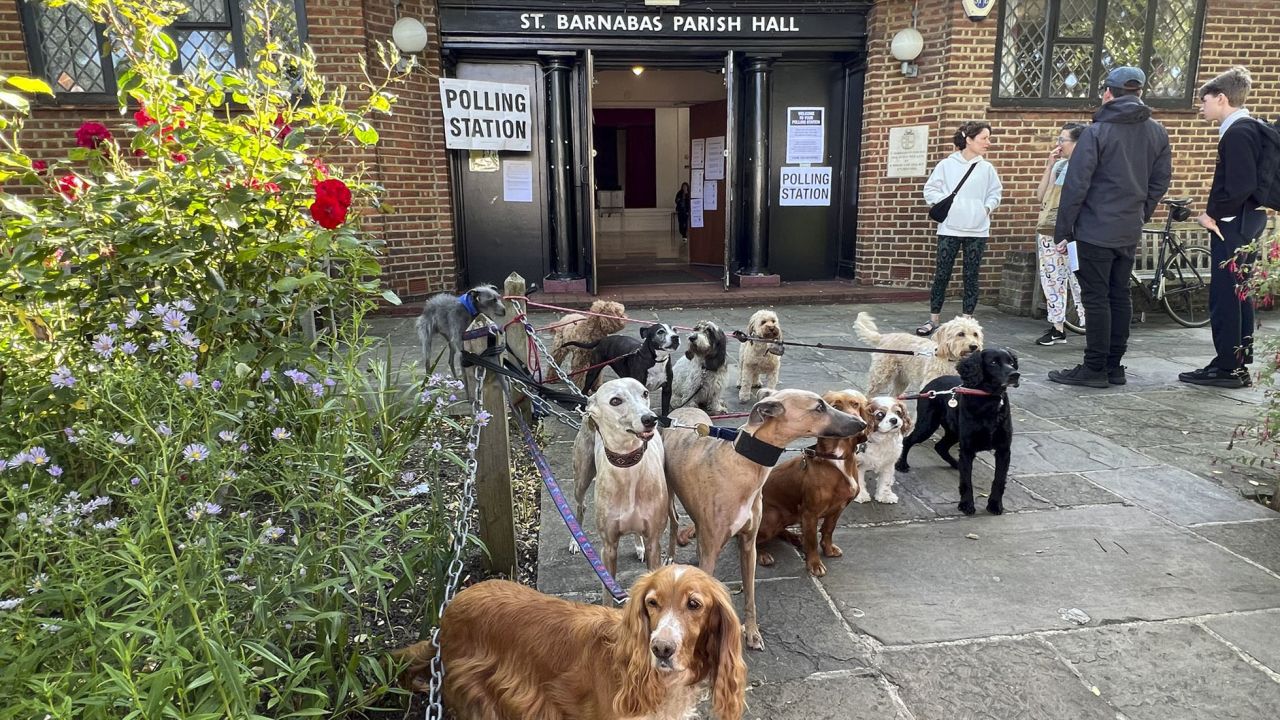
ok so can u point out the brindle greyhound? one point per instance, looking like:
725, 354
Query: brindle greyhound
719, 482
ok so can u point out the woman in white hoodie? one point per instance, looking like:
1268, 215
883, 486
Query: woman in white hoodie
968, 223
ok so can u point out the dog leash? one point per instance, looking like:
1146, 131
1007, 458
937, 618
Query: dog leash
562, 504
743, 337
958, 390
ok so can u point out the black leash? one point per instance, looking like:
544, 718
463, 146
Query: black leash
743, 337
516, 370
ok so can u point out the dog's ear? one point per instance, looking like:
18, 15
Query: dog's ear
970, 370
765, 409
641, 686
646, 331
719, 353
904, 415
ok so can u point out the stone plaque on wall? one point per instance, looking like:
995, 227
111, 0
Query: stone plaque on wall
908, 152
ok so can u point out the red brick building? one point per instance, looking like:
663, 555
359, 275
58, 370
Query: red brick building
625, 98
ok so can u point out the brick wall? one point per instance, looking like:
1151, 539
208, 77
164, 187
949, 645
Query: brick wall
895, 238
410, 161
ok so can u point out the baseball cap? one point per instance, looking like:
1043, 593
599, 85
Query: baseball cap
1127, 77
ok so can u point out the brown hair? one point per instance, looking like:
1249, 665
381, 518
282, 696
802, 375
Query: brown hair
968, 130
1234, 83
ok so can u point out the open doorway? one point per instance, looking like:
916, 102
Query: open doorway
645, 120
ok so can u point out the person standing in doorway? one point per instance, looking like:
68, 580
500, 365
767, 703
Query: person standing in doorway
1119, 170
682, 210
977, 189
1234, 221
1055, 276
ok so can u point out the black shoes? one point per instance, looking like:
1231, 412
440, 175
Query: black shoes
1217, 377
1115, 375
1053, 337
1083, 376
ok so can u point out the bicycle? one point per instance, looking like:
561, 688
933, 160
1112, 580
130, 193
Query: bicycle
1179, 281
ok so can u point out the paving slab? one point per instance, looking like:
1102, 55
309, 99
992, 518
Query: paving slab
927, 582
1169, 672
847, 696
938, 486
1070, 451
1131, 425
1258, 634
1218, 462
1178, 495
998, 680
1066, 489
1258, 541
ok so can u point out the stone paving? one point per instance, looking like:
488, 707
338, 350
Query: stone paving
1127, 504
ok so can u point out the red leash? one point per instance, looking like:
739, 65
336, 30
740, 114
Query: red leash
958, 390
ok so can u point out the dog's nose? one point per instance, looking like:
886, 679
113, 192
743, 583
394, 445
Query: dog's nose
893, 422
973, 346
663, 649
649, 421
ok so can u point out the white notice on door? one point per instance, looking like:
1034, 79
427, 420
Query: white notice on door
695, 212
805, 135
699, 146
709, 195
695, 183
809, 186
482, 115
715, 158
517, 181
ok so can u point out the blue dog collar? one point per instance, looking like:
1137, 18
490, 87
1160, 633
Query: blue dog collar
465, 300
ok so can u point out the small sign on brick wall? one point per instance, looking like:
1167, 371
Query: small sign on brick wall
908, 151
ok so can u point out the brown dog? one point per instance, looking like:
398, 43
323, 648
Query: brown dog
719, 484
818, 485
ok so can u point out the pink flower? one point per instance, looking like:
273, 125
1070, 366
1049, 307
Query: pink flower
143, 118
71, 185
39, 165
92, 134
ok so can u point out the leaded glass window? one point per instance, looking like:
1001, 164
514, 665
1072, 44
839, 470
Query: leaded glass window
1058, 52
70, 50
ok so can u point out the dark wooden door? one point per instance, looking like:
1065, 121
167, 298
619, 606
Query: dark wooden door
706, 244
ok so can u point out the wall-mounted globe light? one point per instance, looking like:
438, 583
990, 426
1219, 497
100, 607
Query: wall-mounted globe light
907, 46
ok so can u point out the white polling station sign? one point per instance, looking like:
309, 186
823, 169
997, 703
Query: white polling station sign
485, 115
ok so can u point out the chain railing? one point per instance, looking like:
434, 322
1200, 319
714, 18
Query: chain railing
461, 531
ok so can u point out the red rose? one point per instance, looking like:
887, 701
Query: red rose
335, 190
272, 188
39, 165
70, 186
328, 213
282, 128
179, 158
92, 134
143, 118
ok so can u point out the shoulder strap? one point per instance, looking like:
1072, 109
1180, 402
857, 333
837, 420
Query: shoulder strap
966, 177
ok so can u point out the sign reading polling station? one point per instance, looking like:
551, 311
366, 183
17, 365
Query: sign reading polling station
485, 115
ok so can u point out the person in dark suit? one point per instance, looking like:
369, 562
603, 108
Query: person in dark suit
682, 210
1118, 172
1234, 219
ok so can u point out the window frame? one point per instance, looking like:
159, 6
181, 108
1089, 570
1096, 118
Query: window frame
1093, 98
37, 62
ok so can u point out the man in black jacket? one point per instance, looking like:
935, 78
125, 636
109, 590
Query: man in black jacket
1233, 217
1119, 171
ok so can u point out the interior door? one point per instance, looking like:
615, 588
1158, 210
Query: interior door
706, 243
731, 129
585, 167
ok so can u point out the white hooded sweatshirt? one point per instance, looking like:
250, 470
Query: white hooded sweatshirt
970, 214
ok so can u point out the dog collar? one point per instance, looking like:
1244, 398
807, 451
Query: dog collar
757, 451
631, 459
812, 452
465, 301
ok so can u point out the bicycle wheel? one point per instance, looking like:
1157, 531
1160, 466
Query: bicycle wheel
1074, 320
1185, 294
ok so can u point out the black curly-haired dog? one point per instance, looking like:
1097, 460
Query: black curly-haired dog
978, 422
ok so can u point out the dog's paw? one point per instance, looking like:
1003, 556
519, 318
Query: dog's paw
966, 507
902, 466
888, 497
765, 559
832, 550
995, 506
862, 497
755, 640
816, 567
573, 547
640, 551
744, 396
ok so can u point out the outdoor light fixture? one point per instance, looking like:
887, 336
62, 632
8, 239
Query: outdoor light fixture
638, 70
906, 46
409, 35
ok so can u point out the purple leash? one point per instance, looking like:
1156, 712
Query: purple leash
562, 504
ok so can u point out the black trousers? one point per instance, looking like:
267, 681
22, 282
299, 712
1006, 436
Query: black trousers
1108, 307
1230, 317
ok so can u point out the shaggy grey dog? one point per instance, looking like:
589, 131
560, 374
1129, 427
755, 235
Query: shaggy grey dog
449, 315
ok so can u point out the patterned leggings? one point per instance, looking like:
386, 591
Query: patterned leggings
1056, 278
948, 248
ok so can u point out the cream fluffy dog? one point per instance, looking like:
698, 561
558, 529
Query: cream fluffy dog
759, 362
889, 422
953, 340
698, 377
584, 329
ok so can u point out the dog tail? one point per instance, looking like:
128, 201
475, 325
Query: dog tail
866, 329
584, 346
416, 661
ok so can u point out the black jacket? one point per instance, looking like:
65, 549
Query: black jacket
1235, 177
1118, 172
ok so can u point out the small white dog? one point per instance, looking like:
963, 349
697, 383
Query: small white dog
619, 451
952, 341
759, 362
890, 422
698, 377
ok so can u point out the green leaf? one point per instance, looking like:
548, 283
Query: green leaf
30, 85
286, 284
18, 206
366, 134
391, 297
15, 101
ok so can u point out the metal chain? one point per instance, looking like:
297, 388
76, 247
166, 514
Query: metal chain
533, 334
461, 531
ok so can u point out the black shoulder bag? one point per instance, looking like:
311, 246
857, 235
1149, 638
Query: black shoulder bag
938, 213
